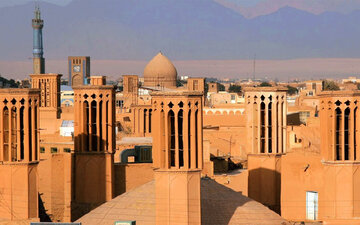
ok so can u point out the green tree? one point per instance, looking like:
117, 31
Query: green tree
64, 82
330, 85
221, 87
292, 90
265, 84
206, 88
180, 83
235, 89
12, 83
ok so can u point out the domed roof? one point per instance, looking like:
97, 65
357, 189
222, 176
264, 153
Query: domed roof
218, 203
160, 71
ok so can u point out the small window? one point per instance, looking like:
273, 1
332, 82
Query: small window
67, 150
120, 103
54, 150
131, 159
42, 150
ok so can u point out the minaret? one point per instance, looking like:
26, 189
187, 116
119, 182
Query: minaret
38, 60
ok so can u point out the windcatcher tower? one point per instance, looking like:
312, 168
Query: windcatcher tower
38, 59
49, 85
94, 146
19, 155
177, 156
266, 124
266, 119
340, 151
131, 88
197, 84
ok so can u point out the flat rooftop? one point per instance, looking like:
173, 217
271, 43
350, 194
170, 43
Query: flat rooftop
135, 140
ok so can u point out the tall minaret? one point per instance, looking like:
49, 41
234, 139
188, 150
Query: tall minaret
38, 60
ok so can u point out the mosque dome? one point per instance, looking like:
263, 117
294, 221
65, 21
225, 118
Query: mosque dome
160, 72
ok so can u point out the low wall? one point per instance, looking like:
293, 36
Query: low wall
131, 175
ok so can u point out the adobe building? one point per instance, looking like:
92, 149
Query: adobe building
98, 80
196, 84
213, 87
313, 87
66, 96
322, 184
224, 129
224, 99
124, 101
130, 89
19, 156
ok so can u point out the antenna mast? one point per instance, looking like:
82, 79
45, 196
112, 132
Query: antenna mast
254, 71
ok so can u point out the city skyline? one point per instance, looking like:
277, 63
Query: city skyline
117, 117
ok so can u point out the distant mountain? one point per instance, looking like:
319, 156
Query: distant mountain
183, 29
254, 8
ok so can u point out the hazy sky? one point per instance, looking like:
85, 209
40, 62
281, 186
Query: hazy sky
19, 2
252, 8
